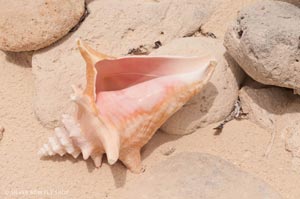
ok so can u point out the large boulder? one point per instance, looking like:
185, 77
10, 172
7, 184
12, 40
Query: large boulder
27, 25
217, 99
113, 27
265, 41
197, 176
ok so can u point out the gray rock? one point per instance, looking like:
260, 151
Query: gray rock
112, 27
265, 41
198, 176
216, 100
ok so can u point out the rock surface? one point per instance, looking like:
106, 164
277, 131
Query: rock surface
295, 2
264, 104
275, 109
265, 41
216, 100
112, 27
224, 14
288, 125
198, 176
27, 25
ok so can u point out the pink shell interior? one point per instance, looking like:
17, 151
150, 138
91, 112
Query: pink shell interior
128, 71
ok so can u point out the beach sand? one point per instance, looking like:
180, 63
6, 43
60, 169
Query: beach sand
24, 175
241, 143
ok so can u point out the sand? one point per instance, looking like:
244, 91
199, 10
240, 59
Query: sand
23, 173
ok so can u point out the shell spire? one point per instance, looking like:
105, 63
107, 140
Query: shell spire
124, 102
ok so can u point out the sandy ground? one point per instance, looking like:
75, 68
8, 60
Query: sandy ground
24, 175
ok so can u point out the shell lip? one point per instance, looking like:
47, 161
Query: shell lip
156, 56
208, 57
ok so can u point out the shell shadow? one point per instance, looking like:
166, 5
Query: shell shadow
88, 1
157, 140
64, 158
119, 172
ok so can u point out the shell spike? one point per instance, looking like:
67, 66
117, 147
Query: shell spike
86, 152
112, 152
97, 158
91, 57
109, 138
90, 54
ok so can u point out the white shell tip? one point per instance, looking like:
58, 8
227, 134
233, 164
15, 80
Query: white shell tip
75, 153
86, 152
40, 154
112, 161
97, 160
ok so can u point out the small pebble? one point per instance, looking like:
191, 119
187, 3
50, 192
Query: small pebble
168, 151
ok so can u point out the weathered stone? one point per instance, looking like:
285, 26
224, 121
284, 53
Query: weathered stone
27, 25
275, 109
293, 143
265, 41
197, 176
295, 2
289, 126
216, 100
113, 27
224, 14
263, 104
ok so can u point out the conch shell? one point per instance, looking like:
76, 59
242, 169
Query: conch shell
125, 101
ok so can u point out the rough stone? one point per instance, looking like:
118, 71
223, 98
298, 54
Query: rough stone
217, 99
27, 25
198, 176
113, 27
263, 104
265, 41
275, 109
295, 2
289, 126
293, 143
224, 14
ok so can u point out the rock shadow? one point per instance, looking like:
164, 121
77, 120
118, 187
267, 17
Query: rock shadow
64, 158
199, 105
22, 59
273, 99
